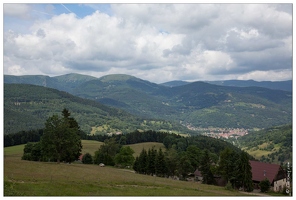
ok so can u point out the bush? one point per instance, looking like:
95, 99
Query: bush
264, 185
27, 156
87, 159
228, 186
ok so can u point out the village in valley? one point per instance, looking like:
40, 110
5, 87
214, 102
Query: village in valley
219, 133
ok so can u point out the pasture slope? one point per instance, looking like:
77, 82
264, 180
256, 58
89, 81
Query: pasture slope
27, 178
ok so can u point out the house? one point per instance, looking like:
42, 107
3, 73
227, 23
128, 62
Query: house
218, 179
273, 172
198, 175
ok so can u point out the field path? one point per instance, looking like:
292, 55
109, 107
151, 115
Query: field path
255, 193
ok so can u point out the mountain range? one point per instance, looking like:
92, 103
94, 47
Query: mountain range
196, 104
275, 85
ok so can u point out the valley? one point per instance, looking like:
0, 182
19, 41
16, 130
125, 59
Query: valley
199, 104
119, 104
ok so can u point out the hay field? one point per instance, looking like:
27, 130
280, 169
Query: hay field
27, 178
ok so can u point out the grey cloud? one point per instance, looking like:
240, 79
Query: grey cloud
41, 33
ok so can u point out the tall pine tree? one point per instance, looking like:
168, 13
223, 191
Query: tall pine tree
160, 164
244, 172
205, 168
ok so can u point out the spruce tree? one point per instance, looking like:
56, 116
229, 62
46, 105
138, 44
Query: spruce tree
205, 168
151, 161
244, 172
227, 164
160, 164
142, 162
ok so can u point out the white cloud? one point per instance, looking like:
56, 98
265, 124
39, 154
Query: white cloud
270, 75
16, 10
157, 42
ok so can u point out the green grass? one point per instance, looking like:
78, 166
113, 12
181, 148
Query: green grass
28, 178
90, 146
145, 145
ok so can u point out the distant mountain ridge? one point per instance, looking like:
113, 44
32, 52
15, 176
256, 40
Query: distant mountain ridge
198, 104
64, 82
275, 85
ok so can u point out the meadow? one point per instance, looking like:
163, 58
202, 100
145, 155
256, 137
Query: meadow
28, 178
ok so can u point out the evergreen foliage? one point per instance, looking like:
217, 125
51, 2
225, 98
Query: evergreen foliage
22, 137
205, 168
227, 163
244, 172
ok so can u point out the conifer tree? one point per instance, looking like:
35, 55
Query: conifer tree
244, 172
205, 168
227, 164
151, 161
160, 164
142, 162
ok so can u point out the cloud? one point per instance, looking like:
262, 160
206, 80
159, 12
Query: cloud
156, 42
16, 10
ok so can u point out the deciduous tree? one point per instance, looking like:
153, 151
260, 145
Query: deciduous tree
61, 140
125, 157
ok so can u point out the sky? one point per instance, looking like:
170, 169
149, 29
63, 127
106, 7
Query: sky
154, 42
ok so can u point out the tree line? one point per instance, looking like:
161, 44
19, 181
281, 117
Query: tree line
61, 142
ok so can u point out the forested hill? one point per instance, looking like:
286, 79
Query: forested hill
269, 145
27, 107
196, 104
275, 85
64, 83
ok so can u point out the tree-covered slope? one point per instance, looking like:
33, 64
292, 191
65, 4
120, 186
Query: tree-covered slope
199, 104
270, 145
64, 82
28, 106
275, 85
127, 92
210, 105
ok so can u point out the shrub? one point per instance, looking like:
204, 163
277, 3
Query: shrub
228, 186
264, 185
87, 159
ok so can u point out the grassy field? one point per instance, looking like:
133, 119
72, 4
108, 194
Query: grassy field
145, 145
27, 178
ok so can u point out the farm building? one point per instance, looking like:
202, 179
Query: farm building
273, 172
260, 170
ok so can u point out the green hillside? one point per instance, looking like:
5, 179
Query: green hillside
64, 82
28, 106
197, 104
269, 145
27, 178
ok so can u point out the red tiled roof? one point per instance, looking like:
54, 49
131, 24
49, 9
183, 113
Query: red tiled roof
261, 168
